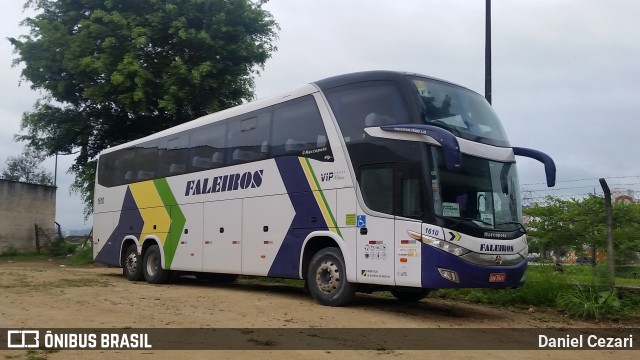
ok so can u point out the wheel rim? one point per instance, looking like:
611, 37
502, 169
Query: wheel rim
132, 263
152, 264
328, 277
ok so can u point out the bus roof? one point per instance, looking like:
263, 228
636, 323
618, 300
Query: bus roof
324, 84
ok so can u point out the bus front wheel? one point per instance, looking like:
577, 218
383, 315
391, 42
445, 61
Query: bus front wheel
327, 278
152, 267
132, 267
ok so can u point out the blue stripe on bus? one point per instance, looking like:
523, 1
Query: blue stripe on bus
470, 275
130, 223
286, 262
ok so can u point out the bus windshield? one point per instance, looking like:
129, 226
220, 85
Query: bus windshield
484, 192
463, 112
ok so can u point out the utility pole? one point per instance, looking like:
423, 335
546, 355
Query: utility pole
607, 207
487, 52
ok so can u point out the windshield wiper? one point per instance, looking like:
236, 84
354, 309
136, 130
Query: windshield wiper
474, 220
522, 228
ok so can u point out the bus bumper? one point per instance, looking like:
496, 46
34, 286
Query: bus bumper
435, 262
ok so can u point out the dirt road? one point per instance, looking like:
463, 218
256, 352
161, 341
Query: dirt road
51, 295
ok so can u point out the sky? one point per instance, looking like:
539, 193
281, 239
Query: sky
566, 75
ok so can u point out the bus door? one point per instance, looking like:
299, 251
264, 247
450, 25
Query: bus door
375, 233
408, 205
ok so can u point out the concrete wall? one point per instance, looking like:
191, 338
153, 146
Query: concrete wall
21, 206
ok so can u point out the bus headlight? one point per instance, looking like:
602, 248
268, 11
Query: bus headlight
445, 245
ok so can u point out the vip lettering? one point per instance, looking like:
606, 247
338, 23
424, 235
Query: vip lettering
496, 248
232, 182
339, 175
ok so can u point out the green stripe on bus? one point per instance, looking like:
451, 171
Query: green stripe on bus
177, 220
324, 200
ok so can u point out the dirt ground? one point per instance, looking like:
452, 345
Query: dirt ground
51, 295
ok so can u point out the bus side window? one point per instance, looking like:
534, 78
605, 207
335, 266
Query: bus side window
297, 126
126, 164
146, 161
207, 148
376, 186
172, 155
374, 103
248, 137
107, 170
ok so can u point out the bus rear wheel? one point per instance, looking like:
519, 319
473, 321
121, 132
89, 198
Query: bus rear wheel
409, 295
132, 264
152, 267
327, 278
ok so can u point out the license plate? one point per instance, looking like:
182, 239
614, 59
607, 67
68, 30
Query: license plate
497, 277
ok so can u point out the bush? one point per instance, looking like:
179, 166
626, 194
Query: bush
9, 250
589, 302
61, 247
82, 256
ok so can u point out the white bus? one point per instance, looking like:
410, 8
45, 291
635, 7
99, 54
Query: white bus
367, 181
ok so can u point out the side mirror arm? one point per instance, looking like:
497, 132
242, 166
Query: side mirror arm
549, 165
448, 141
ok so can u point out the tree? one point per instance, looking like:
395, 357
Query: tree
116, 70
26, 168
548, 224
563, 224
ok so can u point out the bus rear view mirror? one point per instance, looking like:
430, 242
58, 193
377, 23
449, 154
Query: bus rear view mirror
448, 141
549, 165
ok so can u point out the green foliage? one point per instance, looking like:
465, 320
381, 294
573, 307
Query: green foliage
60, 247
26, 168
563, 224
541, 289
82, 256
576, 291
115, 70
589, 302
74, 254
9, 251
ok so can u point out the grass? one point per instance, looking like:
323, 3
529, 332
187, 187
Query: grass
579, 291
73, 254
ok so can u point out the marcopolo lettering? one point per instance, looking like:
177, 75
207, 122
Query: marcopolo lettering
496, 248
231, 182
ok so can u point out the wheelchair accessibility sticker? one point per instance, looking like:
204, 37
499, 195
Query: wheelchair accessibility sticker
362, 221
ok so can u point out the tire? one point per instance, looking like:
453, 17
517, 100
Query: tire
152, 266
132, 264
327, 278
409, 295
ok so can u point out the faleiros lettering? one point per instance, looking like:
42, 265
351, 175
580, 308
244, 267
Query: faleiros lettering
232, 182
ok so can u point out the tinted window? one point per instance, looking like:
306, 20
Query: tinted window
298, 128
248, 138
207, 147
146, 161
107, 170
462, 112
376, 186
372, 104
173, 155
